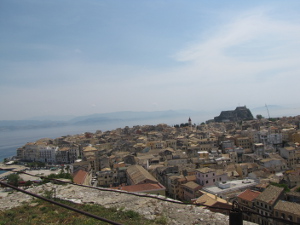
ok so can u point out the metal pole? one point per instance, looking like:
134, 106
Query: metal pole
235, 218
235, 215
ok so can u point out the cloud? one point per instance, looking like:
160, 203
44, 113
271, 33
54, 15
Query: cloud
247, 58
251, 43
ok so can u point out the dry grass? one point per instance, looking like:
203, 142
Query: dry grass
41, 212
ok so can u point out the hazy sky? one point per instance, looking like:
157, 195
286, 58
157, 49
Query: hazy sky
78, 57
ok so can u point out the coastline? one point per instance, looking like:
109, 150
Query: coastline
10, 169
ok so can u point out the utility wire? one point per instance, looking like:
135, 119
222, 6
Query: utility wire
61, 205
166, 199
129, 193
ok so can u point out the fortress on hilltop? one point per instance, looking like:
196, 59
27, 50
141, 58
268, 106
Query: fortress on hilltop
240, 113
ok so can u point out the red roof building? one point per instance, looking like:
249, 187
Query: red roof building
150, 188
246, 200
81, 177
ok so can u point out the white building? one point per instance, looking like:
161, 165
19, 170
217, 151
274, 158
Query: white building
48, 154
274, 139
31, 152
229, 189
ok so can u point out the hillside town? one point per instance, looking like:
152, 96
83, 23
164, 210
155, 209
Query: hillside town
232, 158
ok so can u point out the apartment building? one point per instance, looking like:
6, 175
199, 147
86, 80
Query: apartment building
288, 211
208, 177
246, 200
48, 154
243, 142
290, 155
266, 202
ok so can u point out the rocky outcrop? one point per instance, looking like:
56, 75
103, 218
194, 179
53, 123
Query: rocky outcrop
239, 114
148, 207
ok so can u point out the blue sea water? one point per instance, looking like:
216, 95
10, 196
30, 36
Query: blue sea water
11, 140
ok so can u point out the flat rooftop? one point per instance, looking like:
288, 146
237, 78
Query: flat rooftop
232, 186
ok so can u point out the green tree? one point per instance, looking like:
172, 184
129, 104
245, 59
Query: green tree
58, 176
286, 188
68, 169
28, 183
14, 179
259, 117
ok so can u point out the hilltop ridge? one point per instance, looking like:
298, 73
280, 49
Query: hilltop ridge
148, 207
240, 113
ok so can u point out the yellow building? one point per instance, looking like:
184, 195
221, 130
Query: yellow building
243, 142
295, 137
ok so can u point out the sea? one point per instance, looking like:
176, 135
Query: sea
11, 140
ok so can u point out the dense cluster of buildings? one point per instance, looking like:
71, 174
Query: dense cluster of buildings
212, 164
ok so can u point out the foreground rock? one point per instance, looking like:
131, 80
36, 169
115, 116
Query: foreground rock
148, 207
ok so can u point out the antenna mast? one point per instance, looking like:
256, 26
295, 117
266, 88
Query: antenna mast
268, 111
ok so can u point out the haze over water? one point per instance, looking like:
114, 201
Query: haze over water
11, 140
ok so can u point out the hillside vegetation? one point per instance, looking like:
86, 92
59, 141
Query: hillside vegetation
39, 212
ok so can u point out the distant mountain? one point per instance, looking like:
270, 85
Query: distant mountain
128, 116
100, 118
270, 107
276, 111
53, 118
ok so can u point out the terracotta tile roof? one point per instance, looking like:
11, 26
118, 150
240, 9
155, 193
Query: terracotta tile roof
80, 176
290, 207
206, 200
138, 174
249, 195
293, 178
64, 149
293, 193
141, 187
205, 170
270, 194
209, 199
192, 185
89, 148
191, 178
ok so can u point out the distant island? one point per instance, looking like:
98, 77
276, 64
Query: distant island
99, 118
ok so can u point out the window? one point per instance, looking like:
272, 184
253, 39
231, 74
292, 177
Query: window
207, 181
282, 215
